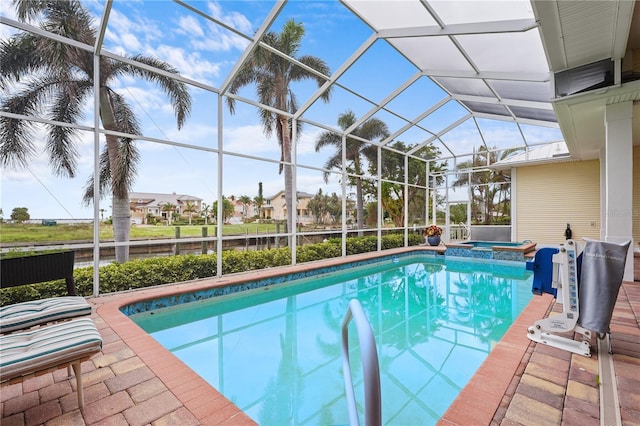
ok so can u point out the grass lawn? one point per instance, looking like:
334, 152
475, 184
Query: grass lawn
37, 233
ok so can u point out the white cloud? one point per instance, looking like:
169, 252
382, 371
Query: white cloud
233, 19
307, 141
189, 25
311, 182
131, 42
200, 134
190, 65
214, 38
147, 98
121, 26
250, 140
129, 35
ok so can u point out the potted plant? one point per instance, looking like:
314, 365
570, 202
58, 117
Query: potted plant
432, 235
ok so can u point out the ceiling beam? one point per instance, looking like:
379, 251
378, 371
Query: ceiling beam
495, 27
505, 102
489, 75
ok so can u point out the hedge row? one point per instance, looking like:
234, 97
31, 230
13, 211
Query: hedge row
171, 269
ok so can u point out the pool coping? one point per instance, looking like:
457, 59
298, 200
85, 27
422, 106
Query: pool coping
525, 247
484, 391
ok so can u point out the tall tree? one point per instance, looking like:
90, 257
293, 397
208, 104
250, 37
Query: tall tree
190, 208
246, 203
372, 129
394, 191
205, 212
486, 184
227, 209
272, 75
258, 200
334, 207
317, 206
57, 78
168, 208
20, 214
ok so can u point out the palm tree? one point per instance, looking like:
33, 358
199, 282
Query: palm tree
168, 208
57, 78
190, 207
394, 194
372, 129
246, 202
272, 75
486, 183
205, 211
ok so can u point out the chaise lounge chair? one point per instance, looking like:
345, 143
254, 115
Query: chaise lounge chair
31, 269
55, 346
25, 315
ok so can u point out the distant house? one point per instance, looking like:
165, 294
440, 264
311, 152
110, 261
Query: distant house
275, 207
239, 214
143, 204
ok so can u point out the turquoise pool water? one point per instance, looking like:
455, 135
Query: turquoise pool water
275, 351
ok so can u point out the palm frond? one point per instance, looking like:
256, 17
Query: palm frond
126, 120
298, 73
18, 58
16, 146
326, 139
16, 143
124, 171
177, 91
27, 10
66, 107
104, 183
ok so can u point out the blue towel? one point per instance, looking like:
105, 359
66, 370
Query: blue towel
542, 267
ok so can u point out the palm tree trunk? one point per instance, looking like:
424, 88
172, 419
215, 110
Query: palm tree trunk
288, 177
120, 195
121, 226
360, 207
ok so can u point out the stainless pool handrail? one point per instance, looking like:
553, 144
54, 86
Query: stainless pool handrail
370, 367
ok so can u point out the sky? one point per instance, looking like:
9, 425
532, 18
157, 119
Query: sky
207, 53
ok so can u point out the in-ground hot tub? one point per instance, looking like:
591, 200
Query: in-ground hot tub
499, 250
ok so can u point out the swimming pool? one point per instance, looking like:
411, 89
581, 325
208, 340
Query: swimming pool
275, 351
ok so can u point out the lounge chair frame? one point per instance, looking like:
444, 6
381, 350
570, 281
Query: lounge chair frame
43, 349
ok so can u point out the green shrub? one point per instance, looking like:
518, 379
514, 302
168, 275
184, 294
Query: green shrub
311, 252
148, 272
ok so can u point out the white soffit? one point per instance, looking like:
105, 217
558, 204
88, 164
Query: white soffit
577, 33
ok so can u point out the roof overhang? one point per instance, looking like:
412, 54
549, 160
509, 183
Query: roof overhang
577, 33
582, 118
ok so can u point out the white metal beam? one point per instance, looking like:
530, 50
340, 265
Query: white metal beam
516, 25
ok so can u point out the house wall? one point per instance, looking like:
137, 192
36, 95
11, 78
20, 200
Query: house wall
278, 211
551, 195
303, 211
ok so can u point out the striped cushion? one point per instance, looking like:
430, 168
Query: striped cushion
27, 314
46, 347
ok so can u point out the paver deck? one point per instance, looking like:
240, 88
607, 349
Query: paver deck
135, 381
